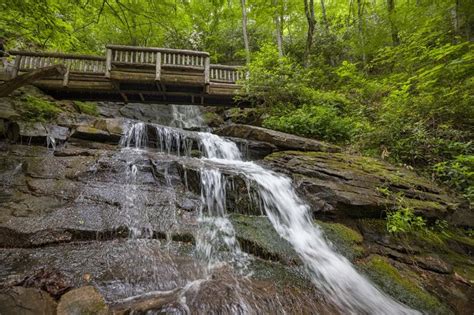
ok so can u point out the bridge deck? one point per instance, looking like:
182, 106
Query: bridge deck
136, 74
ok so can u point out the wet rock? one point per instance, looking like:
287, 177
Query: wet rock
283, 141
402, 285
357, 186
85, 300
94, 134
346, 241
257, 236
51, 281
33, 132
254, 150
26, 301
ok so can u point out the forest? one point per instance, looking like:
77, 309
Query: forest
391, 79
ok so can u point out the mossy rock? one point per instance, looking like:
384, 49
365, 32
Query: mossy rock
257, 236
88, 108
37, 109
402, 286
347, 241
213, 119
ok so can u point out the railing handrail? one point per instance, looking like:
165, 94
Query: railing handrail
158, 49
226, 67
55, 55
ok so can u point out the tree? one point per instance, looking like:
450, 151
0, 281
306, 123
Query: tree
309, 12
278, 19
244, 31
393, 28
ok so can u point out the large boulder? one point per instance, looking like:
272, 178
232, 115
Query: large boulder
85, 300
102, 130
339, 184
26, 301
283, 141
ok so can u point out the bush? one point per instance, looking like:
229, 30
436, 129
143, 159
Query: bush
37, 109
88, 108
458, 174
320, 122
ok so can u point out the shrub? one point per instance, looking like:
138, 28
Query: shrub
458, 174
320, 122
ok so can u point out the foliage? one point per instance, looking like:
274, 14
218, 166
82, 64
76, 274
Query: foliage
88, 108
458, 173
320, 122
38, 109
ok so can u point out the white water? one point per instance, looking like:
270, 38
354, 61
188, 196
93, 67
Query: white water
332, 273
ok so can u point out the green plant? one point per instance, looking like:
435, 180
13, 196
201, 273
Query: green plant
37, 109
314, 121
403, 219
88, 108
458, 174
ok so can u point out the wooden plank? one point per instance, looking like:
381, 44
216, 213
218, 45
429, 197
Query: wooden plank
158, 67
66, 76
207, 69
55, 55
16, 66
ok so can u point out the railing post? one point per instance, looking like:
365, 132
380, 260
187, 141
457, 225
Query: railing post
66, 75
108, 63
16, 66
207, 73
158, 67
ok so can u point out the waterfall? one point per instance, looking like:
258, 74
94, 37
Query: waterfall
332, 273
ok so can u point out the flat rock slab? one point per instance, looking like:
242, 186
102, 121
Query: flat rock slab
283, 141
341, 184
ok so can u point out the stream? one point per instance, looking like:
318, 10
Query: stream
216, 243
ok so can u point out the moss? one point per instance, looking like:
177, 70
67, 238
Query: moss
346, 240
88, 108
402, 286
257, 236
37, 109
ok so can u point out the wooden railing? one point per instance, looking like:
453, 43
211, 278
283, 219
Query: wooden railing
26, 61
226, 74
131, 56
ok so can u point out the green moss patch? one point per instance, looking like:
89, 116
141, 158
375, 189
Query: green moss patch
402, 286
88, 108
37, 109
257, 236
346, 240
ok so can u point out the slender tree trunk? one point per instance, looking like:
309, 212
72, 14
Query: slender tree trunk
325, 18
391, 13
278, 19
309, 11
244, 30
360, 25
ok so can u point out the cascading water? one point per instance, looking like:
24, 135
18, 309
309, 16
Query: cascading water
290, 216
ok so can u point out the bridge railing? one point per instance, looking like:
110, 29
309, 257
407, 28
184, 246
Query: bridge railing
226, 74
84, 64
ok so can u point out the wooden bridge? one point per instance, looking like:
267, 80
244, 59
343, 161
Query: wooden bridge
136, 74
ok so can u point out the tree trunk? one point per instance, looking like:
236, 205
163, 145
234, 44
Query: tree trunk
29, 77
309, 11
244, 30
278, 19
360, 24
325, 18
394, 31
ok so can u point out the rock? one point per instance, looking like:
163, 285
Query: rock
85, 300
346, 241
357, 186
26, 301
51, 281
36, 132
403, 286
257, 236
94, 134
283, 141
433, 263
254, 150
